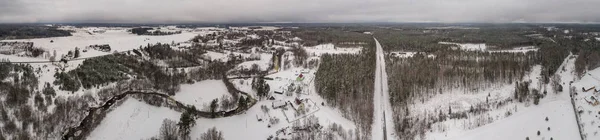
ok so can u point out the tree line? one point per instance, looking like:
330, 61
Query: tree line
9, 31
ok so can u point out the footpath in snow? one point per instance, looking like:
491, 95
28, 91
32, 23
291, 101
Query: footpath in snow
383, 124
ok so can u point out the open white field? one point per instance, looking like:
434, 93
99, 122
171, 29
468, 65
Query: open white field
525, 123
133, 120
482, 47
201, 93
330, 49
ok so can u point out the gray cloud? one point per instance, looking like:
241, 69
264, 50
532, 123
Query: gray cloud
178, 11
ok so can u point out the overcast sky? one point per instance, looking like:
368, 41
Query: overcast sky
211, 11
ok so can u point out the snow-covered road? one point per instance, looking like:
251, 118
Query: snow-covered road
383, 124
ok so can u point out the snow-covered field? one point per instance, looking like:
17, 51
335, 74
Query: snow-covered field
118, 39
201, 93
469, 46
486, 48
526, 123
132, 120
330, 49
263, 63
401, 54
216, 56
525, 120
255, 28
518, 49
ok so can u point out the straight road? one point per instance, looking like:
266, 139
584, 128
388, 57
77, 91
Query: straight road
383, 124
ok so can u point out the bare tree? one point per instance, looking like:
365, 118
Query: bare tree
168, 130
212, 134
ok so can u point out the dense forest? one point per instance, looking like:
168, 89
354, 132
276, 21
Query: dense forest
336, 35
415, 79
589, 56
145, 31
30, 31
424, 39
346, 82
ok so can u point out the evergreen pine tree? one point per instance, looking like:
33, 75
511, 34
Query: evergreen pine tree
186, 122
213, 107
242, 103
76, 55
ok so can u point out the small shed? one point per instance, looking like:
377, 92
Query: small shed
278, 91
586, 90
279, 104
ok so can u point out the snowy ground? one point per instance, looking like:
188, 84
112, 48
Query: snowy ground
401, 54
224, 56
469, 46
590, 113
244, 85
263, 63
486, 48
525, 121
461, 99
216, 56
201, 93
518, 49
330, 49
133, 120
259, 29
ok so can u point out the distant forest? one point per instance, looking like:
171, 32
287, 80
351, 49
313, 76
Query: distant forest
336, 35
28, 31
145, 31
